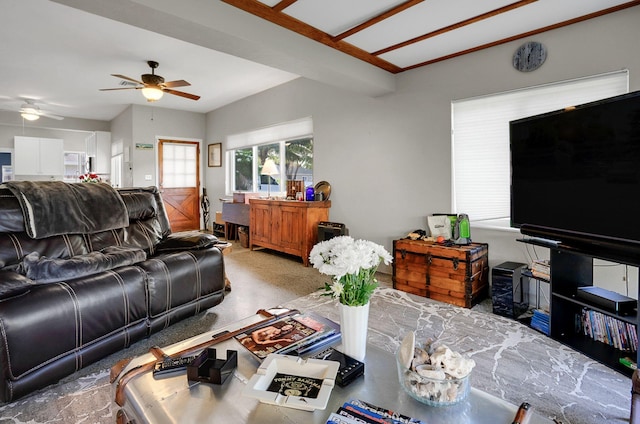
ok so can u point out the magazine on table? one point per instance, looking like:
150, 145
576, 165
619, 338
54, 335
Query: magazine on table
287, 334
327, 334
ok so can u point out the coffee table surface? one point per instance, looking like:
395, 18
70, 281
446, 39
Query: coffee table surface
171, 399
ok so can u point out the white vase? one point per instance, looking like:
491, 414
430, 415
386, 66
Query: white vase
354, 321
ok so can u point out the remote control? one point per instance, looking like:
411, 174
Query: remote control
170, 366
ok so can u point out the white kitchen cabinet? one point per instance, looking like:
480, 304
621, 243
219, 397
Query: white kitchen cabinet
38, 156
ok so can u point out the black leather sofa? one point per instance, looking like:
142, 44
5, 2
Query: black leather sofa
73, 297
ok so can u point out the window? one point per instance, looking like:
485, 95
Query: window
179, 164
480, 137
74, 166
289, 145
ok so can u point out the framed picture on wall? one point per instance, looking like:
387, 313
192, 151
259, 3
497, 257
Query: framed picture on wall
215, 154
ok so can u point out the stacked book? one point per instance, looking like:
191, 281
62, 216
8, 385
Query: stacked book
540, 321
300, 334
606, 329
358, 411
540, 269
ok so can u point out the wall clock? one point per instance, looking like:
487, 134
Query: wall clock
529, 56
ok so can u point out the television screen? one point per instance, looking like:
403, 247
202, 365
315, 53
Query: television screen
575, 173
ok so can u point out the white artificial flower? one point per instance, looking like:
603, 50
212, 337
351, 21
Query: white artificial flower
352, 264
337, 289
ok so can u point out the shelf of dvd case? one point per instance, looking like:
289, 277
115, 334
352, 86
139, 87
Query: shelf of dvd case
609, 330
571, 269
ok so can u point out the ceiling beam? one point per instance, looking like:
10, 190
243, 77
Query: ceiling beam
283, 5
455, 26
265, 12
529, 33
381, 17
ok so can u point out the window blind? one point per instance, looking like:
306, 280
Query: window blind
481, 170
285, 131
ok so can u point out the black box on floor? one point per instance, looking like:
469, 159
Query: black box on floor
329, 230
509, 289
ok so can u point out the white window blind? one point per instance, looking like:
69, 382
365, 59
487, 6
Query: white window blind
481, 170
285, 131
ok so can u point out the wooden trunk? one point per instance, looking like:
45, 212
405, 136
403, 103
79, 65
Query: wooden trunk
454, 274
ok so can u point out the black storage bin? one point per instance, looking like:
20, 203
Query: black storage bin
509, 289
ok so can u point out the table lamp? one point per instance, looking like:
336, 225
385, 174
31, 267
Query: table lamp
269, 168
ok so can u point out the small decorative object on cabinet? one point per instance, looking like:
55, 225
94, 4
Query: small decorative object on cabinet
582, 323
454, 274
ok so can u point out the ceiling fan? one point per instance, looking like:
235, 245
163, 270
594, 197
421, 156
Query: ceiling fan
30, 111
153, 86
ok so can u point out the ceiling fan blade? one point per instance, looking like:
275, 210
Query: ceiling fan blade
176, 83
182, 94
51, 115
127, 78
119, 88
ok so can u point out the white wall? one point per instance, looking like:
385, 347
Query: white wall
388, 158
72, 130
145, 125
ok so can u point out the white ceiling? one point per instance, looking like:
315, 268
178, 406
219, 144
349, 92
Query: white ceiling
62, 56
62, 52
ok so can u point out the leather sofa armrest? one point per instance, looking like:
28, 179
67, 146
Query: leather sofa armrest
13, 284
186, 240
42, 269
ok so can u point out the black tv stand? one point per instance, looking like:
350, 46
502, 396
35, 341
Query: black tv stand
571, 268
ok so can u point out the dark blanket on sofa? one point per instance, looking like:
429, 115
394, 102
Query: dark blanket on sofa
54, 207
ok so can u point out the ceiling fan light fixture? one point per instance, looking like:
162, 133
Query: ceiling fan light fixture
152, 93
29, 113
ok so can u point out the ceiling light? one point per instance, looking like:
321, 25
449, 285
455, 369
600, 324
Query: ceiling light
29, 113
152, 93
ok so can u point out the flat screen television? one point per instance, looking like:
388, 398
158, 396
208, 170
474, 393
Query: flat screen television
575, 173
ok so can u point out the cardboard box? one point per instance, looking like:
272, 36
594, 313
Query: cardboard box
219, 219
244, 197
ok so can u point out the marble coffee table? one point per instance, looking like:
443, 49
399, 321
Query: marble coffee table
173, 399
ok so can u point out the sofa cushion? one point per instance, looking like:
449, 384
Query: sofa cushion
11, 220
140, 205
14, 246
42, 269
13, 284
186, 240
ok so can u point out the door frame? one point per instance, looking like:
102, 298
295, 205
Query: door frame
200, 160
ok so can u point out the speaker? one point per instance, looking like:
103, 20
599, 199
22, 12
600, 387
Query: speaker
329, 230
509, 289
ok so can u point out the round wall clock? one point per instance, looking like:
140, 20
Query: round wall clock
529, 56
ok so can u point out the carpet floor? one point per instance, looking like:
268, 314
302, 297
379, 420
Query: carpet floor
262, 279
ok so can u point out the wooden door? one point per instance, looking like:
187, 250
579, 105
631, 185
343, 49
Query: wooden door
179, 181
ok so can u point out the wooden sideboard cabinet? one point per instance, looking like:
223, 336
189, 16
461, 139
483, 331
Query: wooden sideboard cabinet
286, 226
